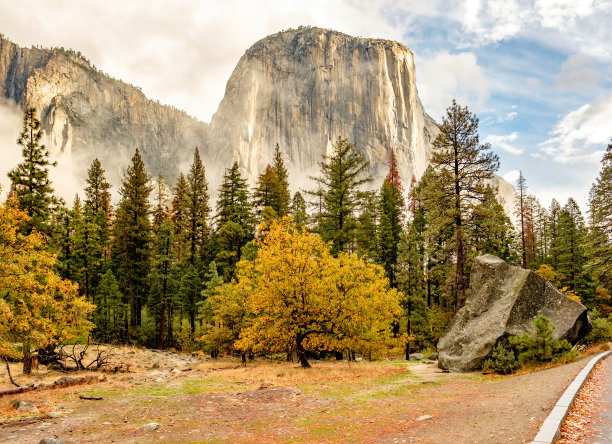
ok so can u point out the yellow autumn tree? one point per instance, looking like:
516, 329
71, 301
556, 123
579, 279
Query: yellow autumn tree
299, 297
36, 305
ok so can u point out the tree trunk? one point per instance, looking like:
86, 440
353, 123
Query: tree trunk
27, 359
339, 356
301, 353
243, 358
162, 327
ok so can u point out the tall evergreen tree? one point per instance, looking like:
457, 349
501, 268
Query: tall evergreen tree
600, 221
298, 210
265, 194
180, 202
366, 232
282, 193
160, 212
463, 164
30, 182
342, 175
570, 247
197, 209
163, 286
491, 230
97, 191
391, 209
522, 214
132, 238
235, 224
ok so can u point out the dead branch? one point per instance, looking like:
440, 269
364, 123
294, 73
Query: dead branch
60, 383
93, 398
8, 370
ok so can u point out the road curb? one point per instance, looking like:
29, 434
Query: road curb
550, 431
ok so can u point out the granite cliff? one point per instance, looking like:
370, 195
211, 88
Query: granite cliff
304, 88
299, 88
87, 114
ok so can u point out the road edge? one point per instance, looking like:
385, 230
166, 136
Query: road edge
550, 431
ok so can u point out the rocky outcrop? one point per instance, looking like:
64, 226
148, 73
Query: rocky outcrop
299, 88
503, 301
87, 114
304, 88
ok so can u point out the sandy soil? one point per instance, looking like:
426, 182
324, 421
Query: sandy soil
198, 400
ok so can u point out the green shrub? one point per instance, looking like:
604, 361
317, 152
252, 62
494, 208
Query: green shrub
502, 360
540, 346
531, 348
600, 333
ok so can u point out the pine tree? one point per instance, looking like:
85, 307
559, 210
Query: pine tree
554, 212
190, 293
463, 164
282, 194
30, 182
342, 175
179, 217
97, 192
163, 286
132, 238
366, 232
391, 209
197, 210
160, 213
233, 203
111, 315
522, 214
265, 194
491, 229
570, 247
600, 221
234, 221
298, 210
67, 221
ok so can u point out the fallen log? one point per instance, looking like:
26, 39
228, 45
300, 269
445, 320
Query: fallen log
60, 383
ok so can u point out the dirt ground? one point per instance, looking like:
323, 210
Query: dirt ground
195, 399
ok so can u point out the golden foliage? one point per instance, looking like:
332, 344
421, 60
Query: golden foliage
36, 305
296, 296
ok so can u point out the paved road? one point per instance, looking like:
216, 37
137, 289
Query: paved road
602, 422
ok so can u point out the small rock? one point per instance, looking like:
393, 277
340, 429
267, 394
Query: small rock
155, 365
433, 356
150, 427
24, 406
54, 414
358, 359
416, 356
51, 441
423, 417
176, 371
428, 361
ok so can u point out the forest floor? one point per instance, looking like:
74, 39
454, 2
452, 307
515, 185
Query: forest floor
196, 399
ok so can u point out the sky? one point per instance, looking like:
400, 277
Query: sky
538, 73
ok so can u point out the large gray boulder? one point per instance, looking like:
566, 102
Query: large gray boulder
504, 300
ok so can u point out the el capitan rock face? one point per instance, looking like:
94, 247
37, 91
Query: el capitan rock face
503, 301
299, 88
304, 88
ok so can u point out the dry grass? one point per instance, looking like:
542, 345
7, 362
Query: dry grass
291, 374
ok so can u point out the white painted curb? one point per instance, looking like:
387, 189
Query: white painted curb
550, 431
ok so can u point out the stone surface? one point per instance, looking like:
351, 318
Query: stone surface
24, 406
51, 441
150, 427
86, 114
503, 300
416, 356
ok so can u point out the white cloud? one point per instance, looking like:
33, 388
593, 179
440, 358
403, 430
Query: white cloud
581, 134
508, 117
444, 77
181, 53
503, 142
577, 72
